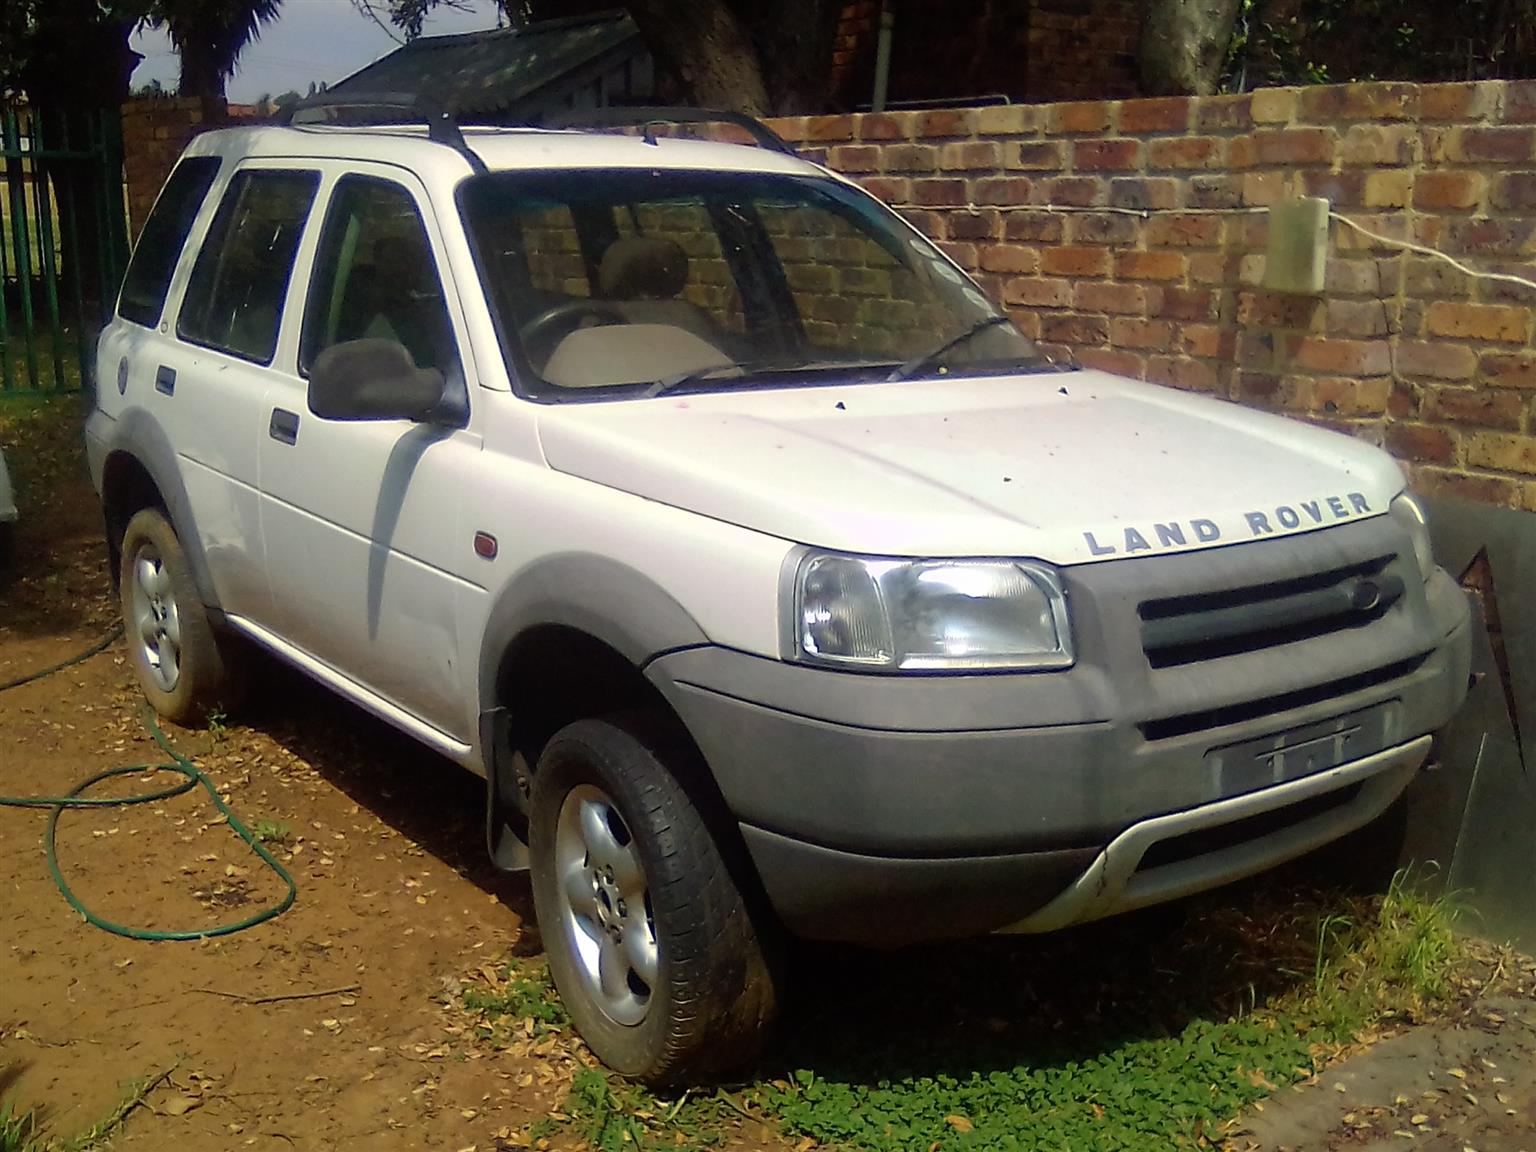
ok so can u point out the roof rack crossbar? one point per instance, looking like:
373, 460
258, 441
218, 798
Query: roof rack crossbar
641, 116
384, 108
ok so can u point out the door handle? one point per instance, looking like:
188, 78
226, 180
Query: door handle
165, 380
284, 426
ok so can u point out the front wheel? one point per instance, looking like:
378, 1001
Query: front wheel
650, 941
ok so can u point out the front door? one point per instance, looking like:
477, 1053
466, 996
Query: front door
360, 518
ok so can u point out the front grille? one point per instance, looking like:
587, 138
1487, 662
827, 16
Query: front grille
1188, 629
1170, 726
1205, 841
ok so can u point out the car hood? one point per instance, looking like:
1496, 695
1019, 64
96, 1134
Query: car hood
1068, 468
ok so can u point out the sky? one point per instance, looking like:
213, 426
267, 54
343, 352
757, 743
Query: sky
310, 40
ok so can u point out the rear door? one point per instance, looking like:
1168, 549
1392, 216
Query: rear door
211, 381
360, 519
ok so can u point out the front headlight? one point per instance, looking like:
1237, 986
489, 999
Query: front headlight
1409, 513
929, 615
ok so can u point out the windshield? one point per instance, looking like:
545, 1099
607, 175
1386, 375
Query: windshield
637, 281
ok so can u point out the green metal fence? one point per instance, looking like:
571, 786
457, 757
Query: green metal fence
63, 242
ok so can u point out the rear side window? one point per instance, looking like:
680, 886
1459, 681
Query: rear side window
159, 247
234, 300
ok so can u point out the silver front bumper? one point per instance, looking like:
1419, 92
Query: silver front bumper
1115, 881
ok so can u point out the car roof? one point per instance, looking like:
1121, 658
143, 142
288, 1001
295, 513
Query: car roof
501, 149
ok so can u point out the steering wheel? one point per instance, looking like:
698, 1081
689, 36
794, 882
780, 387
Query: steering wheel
553, 324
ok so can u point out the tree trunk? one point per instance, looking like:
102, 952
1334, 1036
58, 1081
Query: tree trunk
794, 42
201, 74
703, 50
1184, 45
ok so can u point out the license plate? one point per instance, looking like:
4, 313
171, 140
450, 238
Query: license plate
1301, 751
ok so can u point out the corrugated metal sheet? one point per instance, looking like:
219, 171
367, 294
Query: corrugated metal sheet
508, 73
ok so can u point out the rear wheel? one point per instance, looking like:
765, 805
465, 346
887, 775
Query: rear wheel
175, 654
649, 936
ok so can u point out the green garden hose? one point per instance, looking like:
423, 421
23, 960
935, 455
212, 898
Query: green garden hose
192, 776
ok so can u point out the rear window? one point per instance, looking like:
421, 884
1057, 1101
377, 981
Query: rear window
234, 300
159, 247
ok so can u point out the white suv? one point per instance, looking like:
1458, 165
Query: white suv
773, 580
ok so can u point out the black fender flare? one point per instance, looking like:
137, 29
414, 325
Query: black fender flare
138, 434
603, 598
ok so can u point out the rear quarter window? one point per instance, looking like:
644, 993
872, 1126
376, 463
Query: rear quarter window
165, 232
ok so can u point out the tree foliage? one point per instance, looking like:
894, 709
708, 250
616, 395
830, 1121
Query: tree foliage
209, 36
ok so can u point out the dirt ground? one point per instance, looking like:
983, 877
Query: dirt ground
335, 1026
395, 904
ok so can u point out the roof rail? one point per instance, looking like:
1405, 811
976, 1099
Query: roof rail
643, 116
382, 108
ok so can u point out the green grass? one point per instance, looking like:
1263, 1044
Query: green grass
271, 831
19, 1129
44, 447
522, 1000
61, 374
1137, 1034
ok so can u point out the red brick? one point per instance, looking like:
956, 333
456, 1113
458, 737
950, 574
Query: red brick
1104, 228
928, 223
1181, 231
1352, 357
1169, 114
963, 254
1003, 190
1037, 292
1377, 145
1106, 155
854, 158
1075, 261
1477, 407
1515, 191
1295, 146
1215, 191
1113, 360
938, 193
1345, 396
1182, 303
944, 122
1102, 296
1070, 328
1006, 120
1501, 451
1520, 102
911, 158
1436, 359
1356, 318
886, 126
1078, 118
985, 225
1149, 266
1011, 258
1448, 101
893, 190
1035, 227
1420, 443
1184, 152
1341, 189
1276, 310
826, 129
1039, 156
970, 154
1204, 340
1133, 332
1464, 486
1478, 321
1076, 191
1155, 193
1508, 370
1369, 101
1218, 113
1182, 372
1274, 105
1438, 190
1495, 145
1503, 237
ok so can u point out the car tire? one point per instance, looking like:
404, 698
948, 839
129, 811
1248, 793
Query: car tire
652, 941
184, 672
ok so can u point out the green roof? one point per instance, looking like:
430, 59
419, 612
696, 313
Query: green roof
508, 73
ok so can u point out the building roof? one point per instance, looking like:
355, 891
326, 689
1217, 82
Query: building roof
502, 72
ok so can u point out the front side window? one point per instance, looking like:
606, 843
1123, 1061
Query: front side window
159, 247
234, 300
375, 277
628, 282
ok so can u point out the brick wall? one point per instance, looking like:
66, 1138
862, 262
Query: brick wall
1149, 259
155, 130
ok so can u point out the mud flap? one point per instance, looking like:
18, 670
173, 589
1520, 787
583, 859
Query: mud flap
506, 799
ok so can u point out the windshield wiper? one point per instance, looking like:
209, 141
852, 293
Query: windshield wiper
670, 384
926, 359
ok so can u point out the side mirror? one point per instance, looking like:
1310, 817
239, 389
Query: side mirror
372, 380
